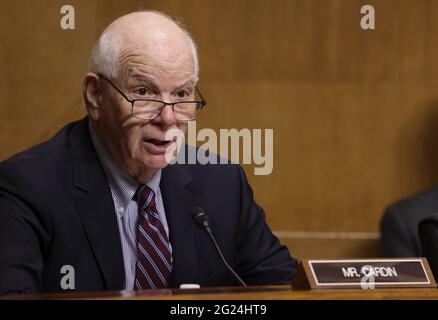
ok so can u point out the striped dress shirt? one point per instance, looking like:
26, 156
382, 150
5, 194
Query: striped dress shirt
123, 188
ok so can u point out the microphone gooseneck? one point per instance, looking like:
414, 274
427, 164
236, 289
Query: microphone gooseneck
201, 220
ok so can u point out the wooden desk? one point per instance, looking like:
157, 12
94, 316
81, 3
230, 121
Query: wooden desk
251, 293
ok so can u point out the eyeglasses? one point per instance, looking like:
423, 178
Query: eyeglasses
148, 109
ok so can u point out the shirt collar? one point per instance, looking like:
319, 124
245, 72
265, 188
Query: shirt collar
123, 186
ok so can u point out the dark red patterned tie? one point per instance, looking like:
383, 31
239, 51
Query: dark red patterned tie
154, 263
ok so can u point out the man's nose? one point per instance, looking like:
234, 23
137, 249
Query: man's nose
167, 117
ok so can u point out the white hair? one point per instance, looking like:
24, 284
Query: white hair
105, 55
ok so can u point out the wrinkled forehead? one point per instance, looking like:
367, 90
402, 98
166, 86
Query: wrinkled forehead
161, 54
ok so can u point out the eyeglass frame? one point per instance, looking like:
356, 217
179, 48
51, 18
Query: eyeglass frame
203, 102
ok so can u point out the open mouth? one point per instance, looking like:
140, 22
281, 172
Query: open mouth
158, 142
157, 146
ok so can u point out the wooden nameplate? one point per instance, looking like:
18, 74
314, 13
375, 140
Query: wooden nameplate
364, 274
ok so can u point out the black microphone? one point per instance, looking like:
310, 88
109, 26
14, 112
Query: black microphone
201, 220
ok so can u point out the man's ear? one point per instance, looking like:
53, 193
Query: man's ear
91, 91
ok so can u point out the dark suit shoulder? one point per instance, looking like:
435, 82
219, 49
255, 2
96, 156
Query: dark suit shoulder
399, 223
216, 169
417, 206
59, 142
44, 167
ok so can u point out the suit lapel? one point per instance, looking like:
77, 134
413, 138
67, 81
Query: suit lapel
95, 206
178, 201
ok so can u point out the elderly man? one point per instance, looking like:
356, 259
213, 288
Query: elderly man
99, 200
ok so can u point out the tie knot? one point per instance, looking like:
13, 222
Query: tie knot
145, 197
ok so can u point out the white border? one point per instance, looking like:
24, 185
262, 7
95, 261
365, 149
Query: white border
368, 283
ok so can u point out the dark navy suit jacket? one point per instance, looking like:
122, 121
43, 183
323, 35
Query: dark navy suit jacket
56, 209
399, 224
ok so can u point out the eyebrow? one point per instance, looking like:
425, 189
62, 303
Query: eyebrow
147, 80
185, 83
144, 80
